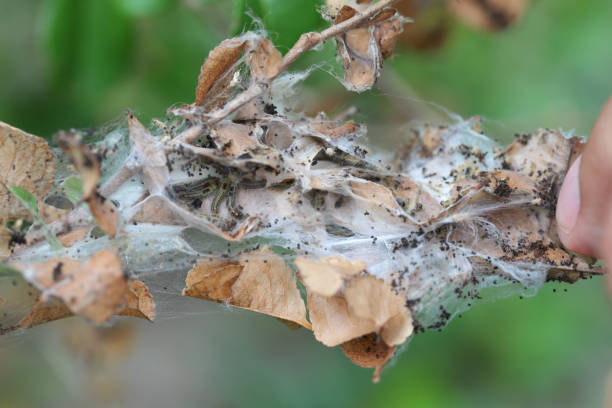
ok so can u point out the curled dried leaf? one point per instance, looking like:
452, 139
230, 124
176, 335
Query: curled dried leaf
82, 158
147, 156
259, 281
363, 48
369, 351
373, 299
265, 60
94, 289
217, 64
25, 161
326, 275
138, 301
44, 312
104, 212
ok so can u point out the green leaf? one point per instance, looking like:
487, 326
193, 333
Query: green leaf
26, 198
73, 188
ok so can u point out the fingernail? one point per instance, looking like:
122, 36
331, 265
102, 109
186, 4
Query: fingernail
569, 200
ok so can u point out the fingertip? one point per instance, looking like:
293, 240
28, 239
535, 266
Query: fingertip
568, 206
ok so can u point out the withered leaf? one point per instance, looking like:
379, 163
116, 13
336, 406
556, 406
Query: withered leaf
94, 289
369, 351
265, 60
234, 138
139, 301
83, 159
332, 321
5, 239
70, 238
218, 62
104, 212
490, 14
259, 281
373, 299
88, 166
44, 312
363, 48
326, 275
147, 156
25, 161
367, 305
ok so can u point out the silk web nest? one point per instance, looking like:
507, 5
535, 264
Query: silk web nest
241, 199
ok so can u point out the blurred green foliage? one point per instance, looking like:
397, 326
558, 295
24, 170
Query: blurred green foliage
80, 63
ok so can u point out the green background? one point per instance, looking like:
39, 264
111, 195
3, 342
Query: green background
81, 63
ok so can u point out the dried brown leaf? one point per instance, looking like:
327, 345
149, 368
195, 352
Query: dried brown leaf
259, 281
490, 15
44, 312
218, 62
374, 193
70, 238
234, 138
83, 159
369, 351
333, 130
25, 161
265, 60
139, 301
94, 289
360, 58
104, 212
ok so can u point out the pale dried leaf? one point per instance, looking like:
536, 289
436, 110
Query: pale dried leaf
25, 161
234, 138
94, 289
332, 321
373, 299
259, 281
139, 301
326, 275
265, 60
319, 277
374, 193
147, 156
